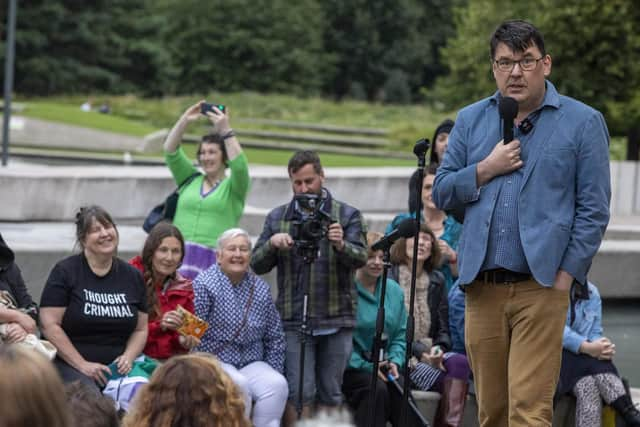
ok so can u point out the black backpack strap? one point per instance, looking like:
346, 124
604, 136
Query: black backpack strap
188, 180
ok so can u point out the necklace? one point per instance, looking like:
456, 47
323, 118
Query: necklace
212, 185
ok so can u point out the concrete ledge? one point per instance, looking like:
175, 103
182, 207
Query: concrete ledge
56, 192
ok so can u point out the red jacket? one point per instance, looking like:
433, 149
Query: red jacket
164, 344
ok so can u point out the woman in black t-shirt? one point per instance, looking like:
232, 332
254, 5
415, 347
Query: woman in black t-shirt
93, 306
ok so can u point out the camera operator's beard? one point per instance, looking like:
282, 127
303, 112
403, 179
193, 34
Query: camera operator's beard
320, 193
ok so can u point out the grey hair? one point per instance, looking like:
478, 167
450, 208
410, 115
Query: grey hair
232, 233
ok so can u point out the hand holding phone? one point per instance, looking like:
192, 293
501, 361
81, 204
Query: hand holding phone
205, 107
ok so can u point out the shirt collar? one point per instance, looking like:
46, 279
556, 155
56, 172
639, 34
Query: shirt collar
551, 97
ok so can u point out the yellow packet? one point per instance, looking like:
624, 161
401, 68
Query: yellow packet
191, 324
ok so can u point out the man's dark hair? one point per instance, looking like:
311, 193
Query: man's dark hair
518, 35
303, 158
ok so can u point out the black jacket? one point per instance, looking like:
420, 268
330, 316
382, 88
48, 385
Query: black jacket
11, 281
438, 304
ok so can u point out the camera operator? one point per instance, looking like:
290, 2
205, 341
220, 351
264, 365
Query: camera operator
317, 243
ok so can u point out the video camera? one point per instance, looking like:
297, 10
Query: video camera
312, 223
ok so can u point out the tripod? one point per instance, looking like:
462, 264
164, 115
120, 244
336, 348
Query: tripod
309, 252
420, 150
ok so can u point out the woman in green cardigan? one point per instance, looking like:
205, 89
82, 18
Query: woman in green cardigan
213, 201
357, 377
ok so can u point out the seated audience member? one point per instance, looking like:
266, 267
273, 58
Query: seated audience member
246, 333
13, 293
90, 408
456, 319
31, 390
93, 306
438, 369
166, 289
445, 227
188, 390
357, 376
587, 370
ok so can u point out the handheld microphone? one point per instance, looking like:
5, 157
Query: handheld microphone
508, 109
405, 229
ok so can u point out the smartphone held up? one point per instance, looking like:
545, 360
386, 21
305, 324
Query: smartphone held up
205, 107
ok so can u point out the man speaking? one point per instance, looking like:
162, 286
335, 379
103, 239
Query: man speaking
536, 210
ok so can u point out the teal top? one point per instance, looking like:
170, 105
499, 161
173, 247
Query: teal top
201, 219
395, 325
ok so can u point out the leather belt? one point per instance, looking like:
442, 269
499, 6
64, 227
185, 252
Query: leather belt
501, 275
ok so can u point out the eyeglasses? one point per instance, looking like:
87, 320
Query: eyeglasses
527, 64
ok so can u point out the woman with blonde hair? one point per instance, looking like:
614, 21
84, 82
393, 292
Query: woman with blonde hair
32, 392
188, 390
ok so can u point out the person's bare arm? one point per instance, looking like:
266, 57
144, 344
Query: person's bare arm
135, 345
51, 321
175, 134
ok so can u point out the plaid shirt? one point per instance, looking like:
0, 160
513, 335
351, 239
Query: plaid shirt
332, 292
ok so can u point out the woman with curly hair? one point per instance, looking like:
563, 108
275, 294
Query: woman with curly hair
162, 255
188, 390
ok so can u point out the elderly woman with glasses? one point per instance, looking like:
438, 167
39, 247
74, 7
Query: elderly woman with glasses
245, 332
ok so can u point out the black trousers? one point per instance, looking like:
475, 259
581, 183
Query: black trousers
355, 386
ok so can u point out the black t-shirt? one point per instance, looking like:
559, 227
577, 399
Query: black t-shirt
101, 312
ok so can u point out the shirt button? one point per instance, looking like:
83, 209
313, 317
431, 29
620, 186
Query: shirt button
502, 231
506, 205
509, 182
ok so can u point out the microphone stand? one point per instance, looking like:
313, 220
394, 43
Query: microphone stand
420, 150
377, 352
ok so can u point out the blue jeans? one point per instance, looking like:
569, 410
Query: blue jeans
326, 357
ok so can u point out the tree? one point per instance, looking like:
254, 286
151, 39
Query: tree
466, 55
261, 45
376, 41
596, 48
70, 46
593, 44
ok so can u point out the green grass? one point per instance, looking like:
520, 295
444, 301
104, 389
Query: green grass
57, 112
139, 116
406, 124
